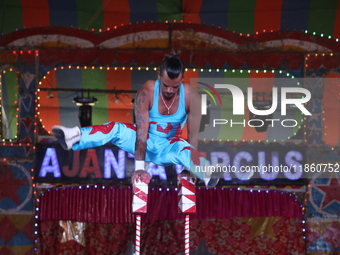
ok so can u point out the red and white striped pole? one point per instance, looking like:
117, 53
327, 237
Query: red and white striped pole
187, 205
138, 234
187, 234
139, 206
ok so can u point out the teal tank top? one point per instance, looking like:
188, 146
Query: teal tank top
167, 125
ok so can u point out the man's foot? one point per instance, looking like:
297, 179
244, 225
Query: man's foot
66, 136
211, 179
211, 174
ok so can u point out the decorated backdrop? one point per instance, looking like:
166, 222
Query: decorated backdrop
300, 37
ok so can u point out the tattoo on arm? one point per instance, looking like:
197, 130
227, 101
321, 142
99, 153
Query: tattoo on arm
141, 133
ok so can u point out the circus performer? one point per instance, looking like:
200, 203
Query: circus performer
162, 108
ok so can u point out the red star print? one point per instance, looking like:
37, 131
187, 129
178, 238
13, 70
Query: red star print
166, 130
105, 129
178, 130
131, 126
10, 185
175, 139
27, 122
331, 191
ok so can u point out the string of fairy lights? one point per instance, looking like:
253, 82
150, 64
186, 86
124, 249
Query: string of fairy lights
233, 71
306, 31
9, 141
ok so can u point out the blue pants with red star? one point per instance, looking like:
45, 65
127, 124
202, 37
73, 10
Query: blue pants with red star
160, 150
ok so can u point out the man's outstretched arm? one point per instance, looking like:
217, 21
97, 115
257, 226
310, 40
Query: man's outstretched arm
193, 109
142, 103
194, 117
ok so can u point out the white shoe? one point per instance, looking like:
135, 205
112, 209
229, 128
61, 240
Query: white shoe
211, 179
66, 136
211, 174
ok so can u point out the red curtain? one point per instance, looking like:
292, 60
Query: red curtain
98, 220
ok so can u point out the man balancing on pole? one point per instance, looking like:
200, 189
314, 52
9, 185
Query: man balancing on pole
162, 108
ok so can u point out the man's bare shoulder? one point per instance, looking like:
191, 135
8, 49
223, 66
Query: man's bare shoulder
190, 90
148, 86
145, 93
192, 97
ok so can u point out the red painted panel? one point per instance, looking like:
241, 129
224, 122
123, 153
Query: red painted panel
35, 13
267, 15
331, 110
120, 107
191, 11
116, 14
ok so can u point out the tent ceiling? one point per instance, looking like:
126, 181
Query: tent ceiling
201, 46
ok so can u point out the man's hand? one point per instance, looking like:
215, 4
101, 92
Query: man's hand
186, 174
140, 175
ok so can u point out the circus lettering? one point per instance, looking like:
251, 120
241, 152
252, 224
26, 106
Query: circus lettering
50, 164
110, 164
243, 165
